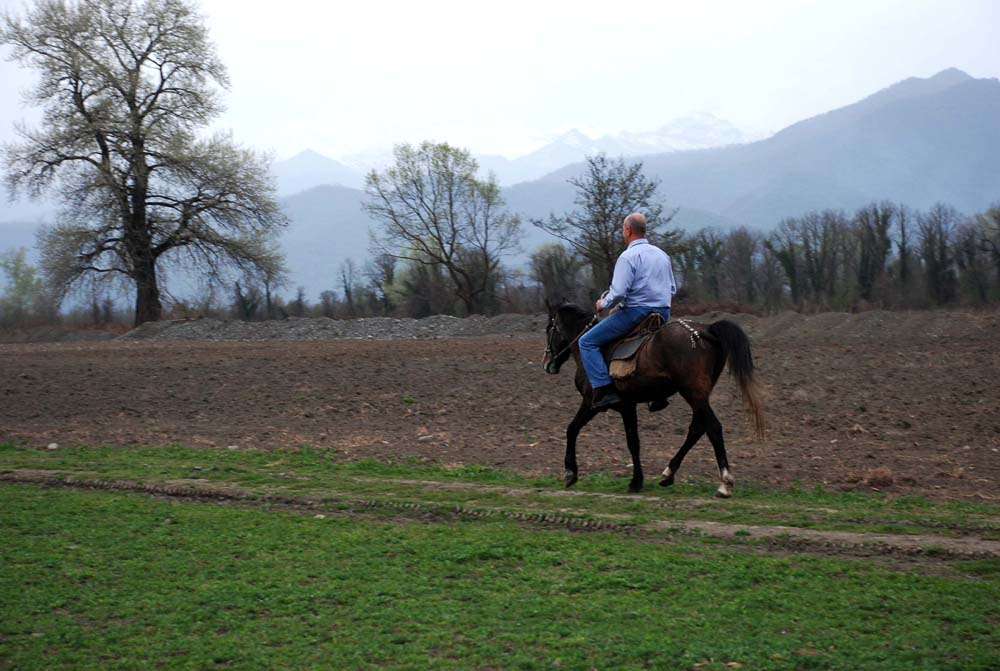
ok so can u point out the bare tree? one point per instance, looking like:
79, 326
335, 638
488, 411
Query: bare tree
972, 261
821, 236
609, 191
381, 274
125, 85
741, 260
937, 231
246, 302
272, 277
328, 303
904, 251
102, 308
435, 211
348, 280
556, 270
872, 225
783, 245
771, 279
989, 242
297, 306
707, 248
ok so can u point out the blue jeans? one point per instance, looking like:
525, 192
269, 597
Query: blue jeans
616, 325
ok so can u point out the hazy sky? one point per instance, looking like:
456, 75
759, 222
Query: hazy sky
347, 77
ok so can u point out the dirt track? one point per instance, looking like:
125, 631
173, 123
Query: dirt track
779, 538
911, 394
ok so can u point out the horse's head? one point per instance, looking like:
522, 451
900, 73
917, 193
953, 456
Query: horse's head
565, 324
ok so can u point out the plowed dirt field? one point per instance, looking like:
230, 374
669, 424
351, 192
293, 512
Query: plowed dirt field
906, 403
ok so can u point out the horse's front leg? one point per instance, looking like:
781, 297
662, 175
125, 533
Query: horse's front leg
583, 415
631, 421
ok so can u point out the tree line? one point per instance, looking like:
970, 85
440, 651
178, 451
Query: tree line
883, 255
444, 236
442, 246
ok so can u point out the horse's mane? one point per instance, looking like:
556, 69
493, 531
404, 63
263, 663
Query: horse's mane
574, 310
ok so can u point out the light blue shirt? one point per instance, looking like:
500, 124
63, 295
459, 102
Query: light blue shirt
644, 277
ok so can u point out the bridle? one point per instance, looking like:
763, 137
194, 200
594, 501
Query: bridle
567, 348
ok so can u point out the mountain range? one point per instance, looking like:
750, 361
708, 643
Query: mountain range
697, 131
309, 168
919, 141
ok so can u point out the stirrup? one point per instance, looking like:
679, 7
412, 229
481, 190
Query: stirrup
607, 400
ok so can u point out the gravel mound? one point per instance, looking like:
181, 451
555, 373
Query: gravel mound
378, 328
838, 327
846, 327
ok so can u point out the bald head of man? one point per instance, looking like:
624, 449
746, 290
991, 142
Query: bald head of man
634, 227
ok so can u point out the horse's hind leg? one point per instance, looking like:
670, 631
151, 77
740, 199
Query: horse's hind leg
583, 415
714, 428
631, 421
695, 431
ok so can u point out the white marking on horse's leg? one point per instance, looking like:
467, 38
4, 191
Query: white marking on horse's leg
667, 472
725, 489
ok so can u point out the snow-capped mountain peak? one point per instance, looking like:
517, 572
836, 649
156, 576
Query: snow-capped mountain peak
574, 138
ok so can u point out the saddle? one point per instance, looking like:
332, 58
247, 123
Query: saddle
622, 355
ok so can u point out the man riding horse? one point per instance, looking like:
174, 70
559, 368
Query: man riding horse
643, 283
683, 358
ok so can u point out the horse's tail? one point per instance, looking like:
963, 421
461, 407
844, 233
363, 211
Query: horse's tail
736, 349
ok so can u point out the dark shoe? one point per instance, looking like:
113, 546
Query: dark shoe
658, 404
605, 397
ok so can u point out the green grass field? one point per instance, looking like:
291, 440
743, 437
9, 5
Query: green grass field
320, 565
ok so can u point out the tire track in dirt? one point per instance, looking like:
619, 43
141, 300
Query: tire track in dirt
779, 538
673, 504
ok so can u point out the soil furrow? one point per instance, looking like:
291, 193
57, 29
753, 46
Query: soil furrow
782, 538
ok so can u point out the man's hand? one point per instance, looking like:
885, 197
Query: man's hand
597, 305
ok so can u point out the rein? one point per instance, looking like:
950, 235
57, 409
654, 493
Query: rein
548, 348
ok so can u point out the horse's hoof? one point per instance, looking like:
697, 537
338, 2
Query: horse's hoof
667, 481
634, 488
570, 478
725, 489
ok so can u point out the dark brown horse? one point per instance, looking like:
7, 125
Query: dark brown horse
675, 361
